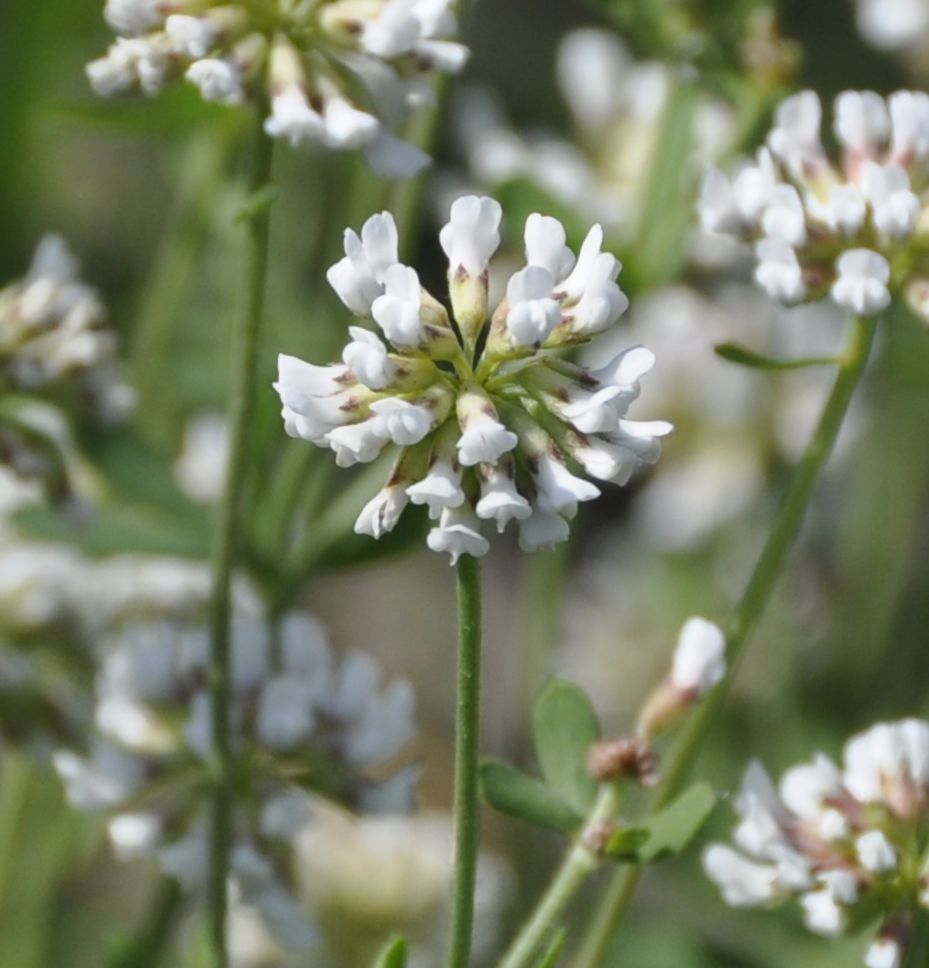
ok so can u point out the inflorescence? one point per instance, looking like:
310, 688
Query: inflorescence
855, 229
339, 72
846, 843
485, 412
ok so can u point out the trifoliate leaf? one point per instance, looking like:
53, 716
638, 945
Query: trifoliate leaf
672, 829
511, 792
564, 726
393, 955
736, 353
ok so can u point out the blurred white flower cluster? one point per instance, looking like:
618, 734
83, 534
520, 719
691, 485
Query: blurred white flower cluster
363, 879
485, 412
54, 357
617, 105
852, 230
342, 73
304, 725
846, 843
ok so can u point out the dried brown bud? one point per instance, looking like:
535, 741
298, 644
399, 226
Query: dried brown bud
630, 757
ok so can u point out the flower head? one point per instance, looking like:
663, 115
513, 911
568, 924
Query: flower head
845, 228
843, 842
341, 72
303, 727
490, 422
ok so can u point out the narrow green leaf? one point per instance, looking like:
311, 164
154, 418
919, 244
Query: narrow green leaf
626, 843
518, 795
564, 726
393, 955
736, 353
672, 829
553, 952
258, 203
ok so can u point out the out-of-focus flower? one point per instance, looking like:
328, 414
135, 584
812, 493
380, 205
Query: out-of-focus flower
303, 726
341, 73
845, 843
366, 878
894, 24
850, 230
486, 415
200, 469
54, 354
617, 105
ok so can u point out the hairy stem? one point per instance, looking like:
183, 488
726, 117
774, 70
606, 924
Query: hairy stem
467, 726
579, 863
745, 618
242, 393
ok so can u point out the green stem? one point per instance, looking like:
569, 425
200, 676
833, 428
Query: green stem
745, 618
579, 863
467, 727
242, 394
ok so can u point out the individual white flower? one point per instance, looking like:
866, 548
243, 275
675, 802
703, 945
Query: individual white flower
439, 489
472, 234
133, 835
778, 271
217, 79
862, 282
533, 313
381, 514
484, 413
862, 121
458, 534
875, 852
358, 279
893, 24
397, 311
200, 469
700, 656
884, 953
743, 883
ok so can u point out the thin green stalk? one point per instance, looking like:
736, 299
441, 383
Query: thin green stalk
467, 728
745, 618
242, 394
579, 863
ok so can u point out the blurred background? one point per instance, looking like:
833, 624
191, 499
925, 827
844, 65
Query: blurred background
613, 127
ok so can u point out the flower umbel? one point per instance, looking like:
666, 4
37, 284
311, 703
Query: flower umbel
850, 229
488, 419
846, 843
338, 72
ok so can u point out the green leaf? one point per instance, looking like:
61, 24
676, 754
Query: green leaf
393, 955
626, 843
672, 829
553, 952
736, 353
564, 725
258, 203
511, 792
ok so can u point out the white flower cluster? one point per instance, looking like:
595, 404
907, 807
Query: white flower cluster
487, 416
820, 227
339, 72
302, 725
844, 842
56, 363
52, 345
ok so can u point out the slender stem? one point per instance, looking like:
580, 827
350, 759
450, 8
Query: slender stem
745, 618
242, 390
579, 863
467, 727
